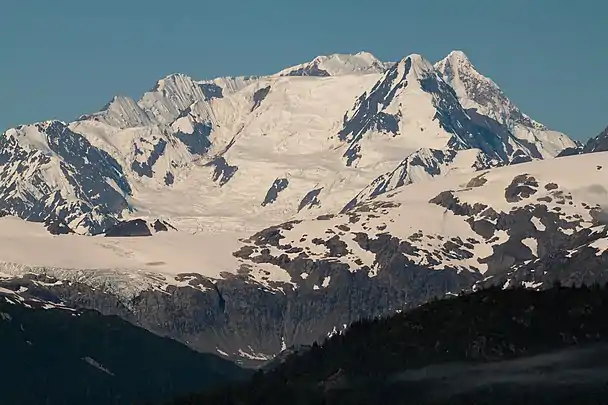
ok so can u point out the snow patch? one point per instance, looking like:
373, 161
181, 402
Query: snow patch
532, 244
601, 245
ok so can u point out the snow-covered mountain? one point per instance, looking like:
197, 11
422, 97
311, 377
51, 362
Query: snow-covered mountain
479, 95
360, 128
263, 202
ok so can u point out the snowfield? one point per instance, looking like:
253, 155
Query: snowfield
137, 263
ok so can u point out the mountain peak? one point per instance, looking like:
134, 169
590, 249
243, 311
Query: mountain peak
598, 143
416, 58
121, 112
481, 94
45, 125
456, 65
414, 64
458, 56
365, 54
337, 64
171, 79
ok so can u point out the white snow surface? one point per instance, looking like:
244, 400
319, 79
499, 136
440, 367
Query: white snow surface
128, 265
342, 64
270, 127
601, 245
125, 265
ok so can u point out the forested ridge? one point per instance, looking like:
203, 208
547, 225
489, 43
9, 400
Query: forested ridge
414, 357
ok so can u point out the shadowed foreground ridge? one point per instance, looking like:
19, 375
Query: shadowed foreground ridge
64, 357
493, 346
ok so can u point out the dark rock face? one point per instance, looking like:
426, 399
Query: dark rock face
577, 262
558, 232
367, 112
223, 171
211, 91
430, 160
259, 96
597, 144
135, 227
138, 227
477, 181
145, 168
310, 70
310, 199
57, 227
522, 187
570, 152
198, 141
162, 226
169, 178
520, 157
273, 192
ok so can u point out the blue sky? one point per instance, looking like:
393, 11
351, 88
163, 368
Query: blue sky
61, 58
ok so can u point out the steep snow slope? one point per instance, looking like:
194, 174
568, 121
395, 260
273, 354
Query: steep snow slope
276, 128
477, 92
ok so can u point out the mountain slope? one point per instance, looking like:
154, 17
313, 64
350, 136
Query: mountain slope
482, 96
249, 296
598, 143
47, 170
413, 116
70, 357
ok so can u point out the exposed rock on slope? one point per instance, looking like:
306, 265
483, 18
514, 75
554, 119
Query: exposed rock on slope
296, 282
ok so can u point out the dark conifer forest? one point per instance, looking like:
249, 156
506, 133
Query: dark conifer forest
62, 357
494, 346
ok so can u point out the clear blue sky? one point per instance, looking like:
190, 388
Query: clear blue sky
63, 58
